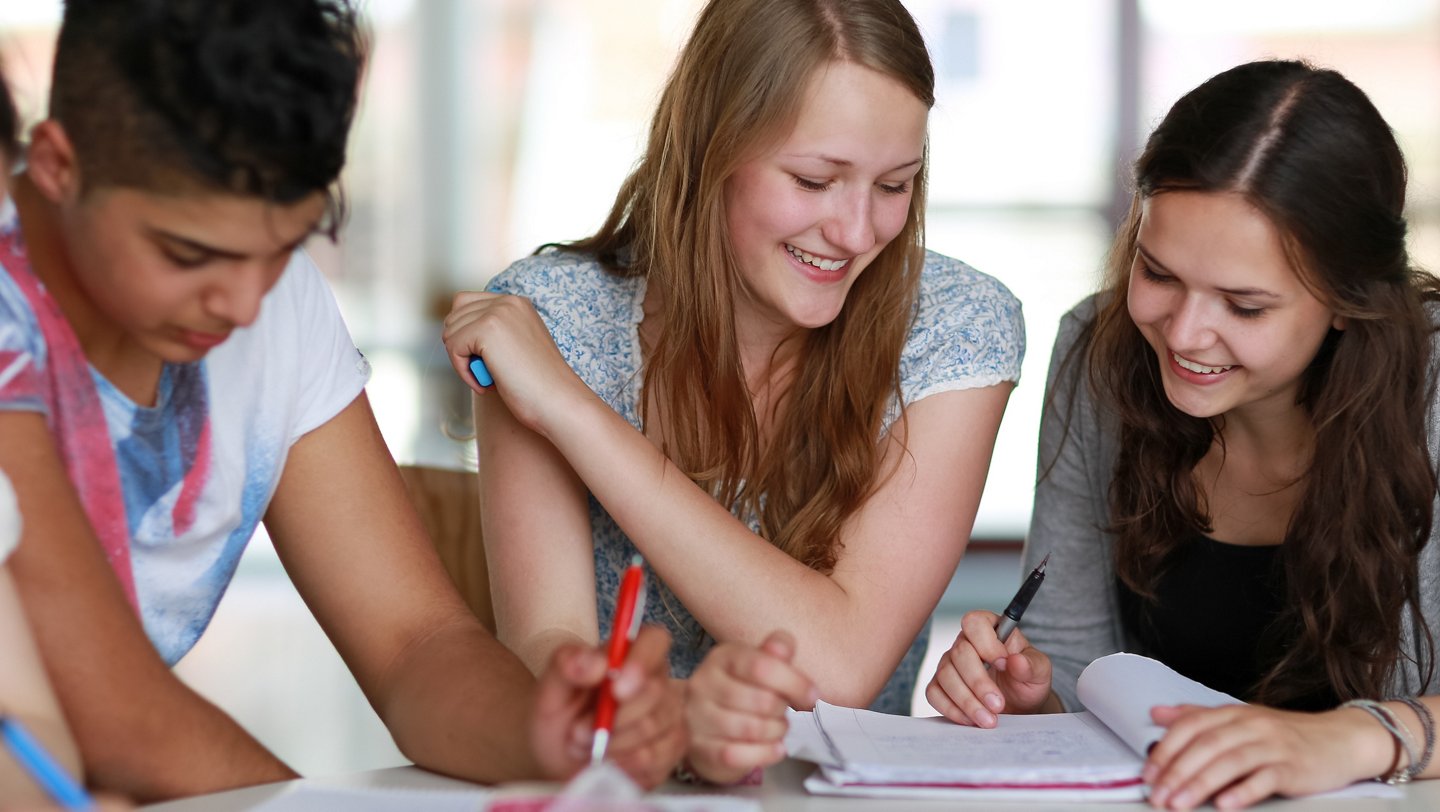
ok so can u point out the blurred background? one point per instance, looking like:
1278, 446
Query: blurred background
488, 127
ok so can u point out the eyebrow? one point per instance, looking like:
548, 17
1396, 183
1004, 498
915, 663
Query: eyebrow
195, 245
847, 163
1247, 292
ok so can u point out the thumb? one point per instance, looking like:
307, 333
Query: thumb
779, 644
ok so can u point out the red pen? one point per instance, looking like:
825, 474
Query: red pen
629, 609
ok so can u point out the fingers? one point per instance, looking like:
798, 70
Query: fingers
1239, 750
779, 643
648, 659
962, 689
1249, 791
1210, 770
649, 738
648, 707
978, 627
461, 332
736, 706
646, 715
565, 685
953, 697
771, 674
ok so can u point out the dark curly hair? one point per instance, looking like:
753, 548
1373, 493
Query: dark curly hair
1308, 148
250, 97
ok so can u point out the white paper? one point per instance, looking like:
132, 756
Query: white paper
1088, 756
1122, 688
305, 797
806, 741
878, 748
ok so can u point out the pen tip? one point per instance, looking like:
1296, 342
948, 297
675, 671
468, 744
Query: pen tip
1043, 562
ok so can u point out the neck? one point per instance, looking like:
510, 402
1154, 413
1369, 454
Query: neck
1278, 443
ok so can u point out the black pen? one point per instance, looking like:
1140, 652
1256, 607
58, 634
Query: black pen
1011, 617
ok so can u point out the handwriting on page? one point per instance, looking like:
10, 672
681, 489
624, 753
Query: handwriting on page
878, 747
1037, 746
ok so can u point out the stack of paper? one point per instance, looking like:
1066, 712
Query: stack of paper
1095, 755
1024, 757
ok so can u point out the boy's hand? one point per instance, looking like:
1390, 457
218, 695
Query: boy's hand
736, 707
963, 690
649, 734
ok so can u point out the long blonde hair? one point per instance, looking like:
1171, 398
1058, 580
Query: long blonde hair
736, 88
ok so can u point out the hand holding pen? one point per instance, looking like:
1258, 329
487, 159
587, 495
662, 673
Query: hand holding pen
646, 733
992, 668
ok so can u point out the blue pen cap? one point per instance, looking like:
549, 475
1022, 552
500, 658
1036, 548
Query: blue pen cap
480, 371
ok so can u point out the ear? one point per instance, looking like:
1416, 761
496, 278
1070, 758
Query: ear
1338, 322
51, 163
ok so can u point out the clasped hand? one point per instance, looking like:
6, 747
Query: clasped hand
506, 331
736, 706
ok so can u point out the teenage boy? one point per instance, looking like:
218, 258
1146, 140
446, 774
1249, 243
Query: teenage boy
173, 371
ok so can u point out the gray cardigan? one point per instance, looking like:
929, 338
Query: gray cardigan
1075, 617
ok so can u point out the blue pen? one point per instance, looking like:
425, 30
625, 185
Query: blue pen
481, 373
48, 773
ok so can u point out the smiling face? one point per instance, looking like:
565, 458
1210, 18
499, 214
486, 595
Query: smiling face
808, 216
1211, 290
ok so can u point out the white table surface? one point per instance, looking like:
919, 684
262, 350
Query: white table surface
782, 792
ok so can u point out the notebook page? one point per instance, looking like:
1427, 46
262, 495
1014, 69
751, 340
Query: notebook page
1052, 749
806, 741
1120, 689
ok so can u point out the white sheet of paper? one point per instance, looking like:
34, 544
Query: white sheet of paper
1122, 688
878, 748
305, 797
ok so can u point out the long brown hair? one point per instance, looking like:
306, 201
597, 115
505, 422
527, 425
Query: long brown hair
1309, 150
734, 91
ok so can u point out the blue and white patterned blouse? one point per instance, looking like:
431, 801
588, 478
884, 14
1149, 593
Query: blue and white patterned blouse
968, 333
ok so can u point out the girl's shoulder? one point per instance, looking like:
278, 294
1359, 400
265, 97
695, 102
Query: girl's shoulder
956, 298
967, 326
560, 277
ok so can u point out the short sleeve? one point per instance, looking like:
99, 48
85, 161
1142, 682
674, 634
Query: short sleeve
9, 519
332, 372
968, 332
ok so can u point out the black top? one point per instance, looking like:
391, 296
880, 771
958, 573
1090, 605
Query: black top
1215, 603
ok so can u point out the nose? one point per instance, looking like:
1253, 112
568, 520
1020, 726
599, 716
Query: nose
1189, 326
235, 298
851, 226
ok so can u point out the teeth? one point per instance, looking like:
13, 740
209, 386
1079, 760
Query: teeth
811, 259
1201, 368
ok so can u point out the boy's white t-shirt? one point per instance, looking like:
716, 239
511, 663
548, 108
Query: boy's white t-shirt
175, 491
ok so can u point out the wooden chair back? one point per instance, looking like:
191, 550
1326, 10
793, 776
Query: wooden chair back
449, 503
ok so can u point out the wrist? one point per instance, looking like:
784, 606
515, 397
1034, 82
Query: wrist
1385, 748
1374, 749
572, 414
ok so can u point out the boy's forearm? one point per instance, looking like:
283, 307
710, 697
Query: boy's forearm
162, 747
460, 704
